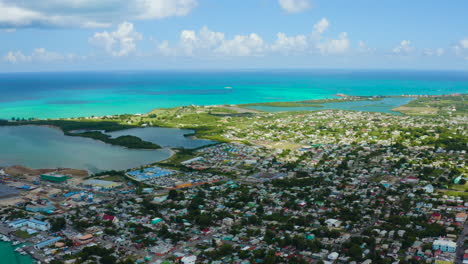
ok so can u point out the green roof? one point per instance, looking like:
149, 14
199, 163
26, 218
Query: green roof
54, 178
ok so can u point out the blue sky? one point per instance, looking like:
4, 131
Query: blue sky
53, 35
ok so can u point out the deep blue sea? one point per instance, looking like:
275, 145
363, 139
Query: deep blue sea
74, 94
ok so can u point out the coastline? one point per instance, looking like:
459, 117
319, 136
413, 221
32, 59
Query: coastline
113, 123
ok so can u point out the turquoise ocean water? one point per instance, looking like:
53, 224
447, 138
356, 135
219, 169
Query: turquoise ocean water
53, 95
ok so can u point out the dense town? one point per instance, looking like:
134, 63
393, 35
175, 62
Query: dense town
328, 186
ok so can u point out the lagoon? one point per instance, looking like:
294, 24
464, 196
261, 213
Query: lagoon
165, 137
384, 106
45, 147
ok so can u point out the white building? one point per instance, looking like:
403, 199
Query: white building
333, 223
429, 188
189, 260
444, 245
31, 223
228, 221
461, 217
333, 256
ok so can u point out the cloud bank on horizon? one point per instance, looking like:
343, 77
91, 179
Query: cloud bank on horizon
116, 32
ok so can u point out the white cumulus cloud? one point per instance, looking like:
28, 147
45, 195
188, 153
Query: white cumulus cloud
464, 43
404, 48
157, 9
16, 57
295, 6
39, 55
192, 43
364, 48
206, 42
333, 46
242, 45
293, 44
43, 55
321, 26
431, 52
461, 48
87, 13
440, 52
120, 42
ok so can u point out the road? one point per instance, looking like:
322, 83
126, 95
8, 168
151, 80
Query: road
460, 244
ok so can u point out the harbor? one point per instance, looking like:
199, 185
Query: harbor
14, 252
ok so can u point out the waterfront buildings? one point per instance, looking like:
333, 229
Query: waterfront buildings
47, 242
30, 223
101, 184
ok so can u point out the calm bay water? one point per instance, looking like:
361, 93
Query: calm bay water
53, 95
165, 137
384, 106
44, 147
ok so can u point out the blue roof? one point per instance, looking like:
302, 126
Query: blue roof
70, 194
149, 173
38, 222
18, 221
48, 242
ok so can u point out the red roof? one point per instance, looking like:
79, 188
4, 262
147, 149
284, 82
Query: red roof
108, 217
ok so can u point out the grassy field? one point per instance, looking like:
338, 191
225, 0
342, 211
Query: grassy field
459, 187
115, 178
22, 234
179, 156
456, 190
438, 105
313, 103
455, 193
282, 104
416, 110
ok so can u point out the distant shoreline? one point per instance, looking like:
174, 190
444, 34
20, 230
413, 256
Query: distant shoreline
214, 113
106, 123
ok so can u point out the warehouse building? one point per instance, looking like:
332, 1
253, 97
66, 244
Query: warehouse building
54, 177
101, 184
47, 243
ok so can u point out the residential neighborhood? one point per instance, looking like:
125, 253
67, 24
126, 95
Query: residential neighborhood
323, 187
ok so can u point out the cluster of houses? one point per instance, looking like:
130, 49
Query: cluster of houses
328, 187
172, 179
232, 158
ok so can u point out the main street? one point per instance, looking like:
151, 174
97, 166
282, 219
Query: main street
461, 243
